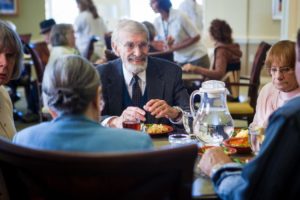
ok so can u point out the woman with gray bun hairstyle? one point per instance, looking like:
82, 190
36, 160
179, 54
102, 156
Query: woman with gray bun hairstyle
70, 85
72, 91
11, 57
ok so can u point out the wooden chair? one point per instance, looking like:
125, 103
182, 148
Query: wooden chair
39, 70
41, 48
153, 174
90, 48
246, 110
25, 38
233, 76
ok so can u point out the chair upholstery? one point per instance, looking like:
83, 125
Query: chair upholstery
233, 76
246, 110
153, 174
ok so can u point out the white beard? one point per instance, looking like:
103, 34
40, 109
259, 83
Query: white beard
135, 69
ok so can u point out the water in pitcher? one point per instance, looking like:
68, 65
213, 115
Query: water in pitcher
214, 127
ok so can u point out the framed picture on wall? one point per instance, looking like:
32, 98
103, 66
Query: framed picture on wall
8, 7
277, 9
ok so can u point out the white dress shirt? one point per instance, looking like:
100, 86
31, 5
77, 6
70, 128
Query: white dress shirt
128, 80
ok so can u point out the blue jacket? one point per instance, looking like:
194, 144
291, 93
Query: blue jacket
163, 81
274, 173
78, 133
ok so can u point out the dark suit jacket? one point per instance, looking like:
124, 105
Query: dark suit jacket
163, 81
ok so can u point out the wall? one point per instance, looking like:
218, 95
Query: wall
251, 21
31, 12
112, 10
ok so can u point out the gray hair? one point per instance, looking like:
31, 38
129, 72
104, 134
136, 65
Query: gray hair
128, 26
9, 40
151, 30
70, 84
58, 34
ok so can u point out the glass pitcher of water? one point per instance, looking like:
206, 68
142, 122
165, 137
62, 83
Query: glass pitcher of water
212, 121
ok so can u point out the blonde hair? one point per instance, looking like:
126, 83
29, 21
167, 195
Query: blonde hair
282, 52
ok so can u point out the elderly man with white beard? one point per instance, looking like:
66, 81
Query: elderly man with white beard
161, 95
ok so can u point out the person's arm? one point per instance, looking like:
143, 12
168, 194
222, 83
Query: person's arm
217, 73
185, 43
225, 174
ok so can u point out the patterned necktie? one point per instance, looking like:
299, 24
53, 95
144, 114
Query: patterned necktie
136, 91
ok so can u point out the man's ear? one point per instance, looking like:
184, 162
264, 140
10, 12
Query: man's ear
114, 46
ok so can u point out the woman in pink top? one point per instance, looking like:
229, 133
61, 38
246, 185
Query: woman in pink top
280, 63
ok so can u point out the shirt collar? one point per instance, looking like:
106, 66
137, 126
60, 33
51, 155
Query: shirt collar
128, 76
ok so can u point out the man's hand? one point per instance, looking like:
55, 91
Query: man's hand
129, 114
212, 157
159, 108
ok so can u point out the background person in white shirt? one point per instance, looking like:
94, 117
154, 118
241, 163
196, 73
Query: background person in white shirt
180, 34
194, 11
88, 24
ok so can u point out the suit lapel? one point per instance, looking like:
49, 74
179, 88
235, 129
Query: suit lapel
115, 86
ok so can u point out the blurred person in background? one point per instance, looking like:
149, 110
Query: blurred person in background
274, 173
45, 29
281, 66
72, 91
153, 50
62, 40
194, 11
11, 57
89, 24
179, 35
227, 56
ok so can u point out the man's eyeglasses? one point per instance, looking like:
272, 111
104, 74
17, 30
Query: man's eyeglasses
131, 46
281, 70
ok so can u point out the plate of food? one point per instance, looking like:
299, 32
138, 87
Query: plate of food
240, 142
227, 150
157, 129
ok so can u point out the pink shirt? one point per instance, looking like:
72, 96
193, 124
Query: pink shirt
269, 99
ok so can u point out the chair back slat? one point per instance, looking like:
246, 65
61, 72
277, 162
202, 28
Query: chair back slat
257, 66
41, 48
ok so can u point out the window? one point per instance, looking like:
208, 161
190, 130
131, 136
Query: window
62, 11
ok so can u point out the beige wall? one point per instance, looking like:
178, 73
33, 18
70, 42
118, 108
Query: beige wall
31, 12
251, 21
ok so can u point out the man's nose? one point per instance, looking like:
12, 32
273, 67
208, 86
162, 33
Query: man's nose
137, 50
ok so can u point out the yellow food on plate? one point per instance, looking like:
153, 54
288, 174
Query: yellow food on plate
239, 142
157, 128
243, 133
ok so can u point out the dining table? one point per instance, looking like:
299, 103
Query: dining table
202, 187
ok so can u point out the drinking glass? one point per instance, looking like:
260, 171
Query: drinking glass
177, 139
256, 137
187, 119
132, 124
